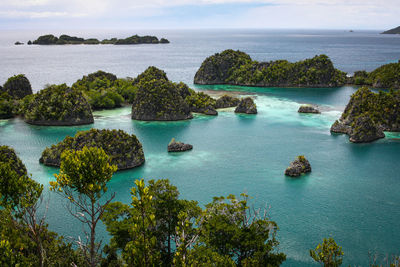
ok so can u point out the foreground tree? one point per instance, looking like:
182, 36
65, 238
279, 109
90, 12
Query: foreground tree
328, 254
83, 181
231, 228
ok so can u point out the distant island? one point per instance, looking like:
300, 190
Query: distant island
392, 31
64, 39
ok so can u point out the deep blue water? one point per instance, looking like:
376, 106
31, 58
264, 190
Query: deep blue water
352, 192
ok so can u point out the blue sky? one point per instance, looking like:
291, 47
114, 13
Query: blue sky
160, 14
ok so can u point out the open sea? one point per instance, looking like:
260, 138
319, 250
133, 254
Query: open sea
352, 193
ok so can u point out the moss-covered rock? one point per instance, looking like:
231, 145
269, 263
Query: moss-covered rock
308, 109
124, 150
297, 167
386, 76
247, 106
227, 101
375, 111
237, 68
58, 105
200, 102
175, 146
158, 99
6, 106
8, 155
17, 86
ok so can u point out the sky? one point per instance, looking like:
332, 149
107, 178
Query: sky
187, 14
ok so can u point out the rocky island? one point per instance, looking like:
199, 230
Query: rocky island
124, 150
17, 87
227, 101
175, 146
57, 105
386, 76
297, 167
308, 109
237, 68
368, 114
64, 39
8, 155
392, 31
246, 106
158, 99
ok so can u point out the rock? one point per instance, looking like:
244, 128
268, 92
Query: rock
365, 130
164, 41
124, 150
247, 106
299, 166
227, 101
200, 102
18, 43
18, 86
308, 109
392, 31
339, 127
158, 99
237, 68
58, 105
175, 146
8, 156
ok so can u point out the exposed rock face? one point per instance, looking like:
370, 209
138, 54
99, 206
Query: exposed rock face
158, 99
18, 86
368, 114
58, 105
299, 166
365, 130
237, 68
308, 109
227, 101
216, 69
124, 150
246, 106
175, 146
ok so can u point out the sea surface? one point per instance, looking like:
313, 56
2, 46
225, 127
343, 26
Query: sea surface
352, 193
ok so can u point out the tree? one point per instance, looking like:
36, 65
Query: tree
83, 181
230, 227
328, 254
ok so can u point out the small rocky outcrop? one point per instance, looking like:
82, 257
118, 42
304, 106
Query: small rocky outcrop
299, 166
227, 101
17, 86
58, 105
308, 109
368, 114
364, 130
124, 149
247, 106
175, 146
18, 43
158, 99
200, 102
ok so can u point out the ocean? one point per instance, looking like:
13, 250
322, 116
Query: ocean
351, 193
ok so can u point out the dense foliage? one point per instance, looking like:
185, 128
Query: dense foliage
157, 98
124, 150
328, 254
247, 106
202, 103
368, 113
227, 101
17, 87
50, 39
58, 105
386, 76
237, 68
105, 91
6, 106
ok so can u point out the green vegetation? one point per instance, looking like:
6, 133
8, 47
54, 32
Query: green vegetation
104, 91
386, 76
17, 87
237, 68
6, 106
328, 254
125, 150
202, 103
157, 98
247, 106
64, 39
83, 181
57, 105
227, 101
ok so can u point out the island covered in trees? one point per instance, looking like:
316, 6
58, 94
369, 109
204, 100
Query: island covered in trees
50, 39
392, 31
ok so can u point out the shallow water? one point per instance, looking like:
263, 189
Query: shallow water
351, 194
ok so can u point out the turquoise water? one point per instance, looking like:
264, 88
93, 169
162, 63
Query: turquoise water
351, 194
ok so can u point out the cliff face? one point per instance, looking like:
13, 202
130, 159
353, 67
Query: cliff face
58, 105
368, 114
237, 68
124, 150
